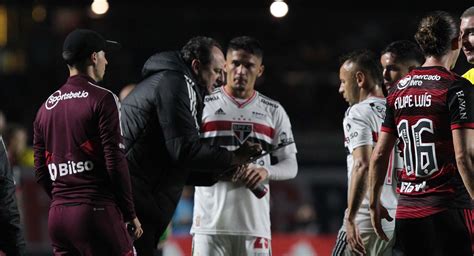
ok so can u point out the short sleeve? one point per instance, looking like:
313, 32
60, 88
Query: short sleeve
460, 101
388, 124
283, 133
359, 130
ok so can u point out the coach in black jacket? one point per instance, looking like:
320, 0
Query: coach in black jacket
160, 121
11, 236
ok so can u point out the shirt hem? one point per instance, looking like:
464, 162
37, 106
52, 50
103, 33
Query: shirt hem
235, 233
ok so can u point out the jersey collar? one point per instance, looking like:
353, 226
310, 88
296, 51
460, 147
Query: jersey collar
242, 104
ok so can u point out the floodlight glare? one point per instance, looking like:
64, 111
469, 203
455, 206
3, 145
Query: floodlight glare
278, 8
100, 7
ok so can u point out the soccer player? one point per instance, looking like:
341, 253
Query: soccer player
397, 59
431, 110
467, 39
361, 86
228, 218
161, 119
79, 157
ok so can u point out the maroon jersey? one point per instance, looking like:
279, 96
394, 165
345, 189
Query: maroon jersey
422, 110
78, 147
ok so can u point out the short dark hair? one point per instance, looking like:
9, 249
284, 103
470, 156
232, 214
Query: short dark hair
405, 51
200, 48
469, 12
367, 61
248, 44
435, 33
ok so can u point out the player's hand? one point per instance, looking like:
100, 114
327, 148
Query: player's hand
354, 239
135, 228
239, 172
253, 175
245, 152
377, 213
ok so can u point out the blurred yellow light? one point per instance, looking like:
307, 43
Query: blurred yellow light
3, 26
39, 13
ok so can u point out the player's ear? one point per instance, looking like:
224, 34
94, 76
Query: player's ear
196, 66
360, 78
455, 43
260, 70
94, 57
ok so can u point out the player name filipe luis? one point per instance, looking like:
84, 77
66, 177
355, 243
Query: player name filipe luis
409, 101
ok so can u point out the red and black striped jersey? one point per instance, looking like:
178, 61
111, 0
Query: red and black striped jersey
422, 110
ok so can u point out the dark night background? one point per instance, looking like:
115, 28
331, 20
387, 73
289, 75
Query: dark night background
301, 71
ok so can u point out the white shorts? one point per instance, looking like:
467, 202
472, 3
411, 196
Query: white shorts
224, 245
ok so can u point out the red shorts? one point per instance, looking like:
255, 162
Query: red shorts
83, 229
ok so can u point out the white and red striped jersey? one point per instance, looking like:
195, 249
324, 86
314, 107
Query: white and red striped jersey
362, 124
227, 207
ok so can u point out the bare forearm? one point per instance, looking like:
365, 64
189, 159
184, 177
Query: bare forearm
377, 173
357, 189
466, 170
463, 143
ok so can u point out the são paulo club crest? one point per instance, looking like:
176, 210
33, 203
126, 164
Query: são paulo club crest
242, 131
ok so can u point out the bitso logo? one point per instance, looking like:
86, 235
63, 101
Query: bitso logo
68, 168
57, 96
402, 84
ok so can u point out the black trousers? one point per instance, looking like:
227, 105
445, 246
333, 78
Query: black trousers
442, 234
154, 212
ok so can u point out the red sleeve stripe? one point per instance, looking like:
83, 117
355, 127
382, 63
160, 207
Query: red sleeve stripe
227, 125
387, 129
375, 136
462, 125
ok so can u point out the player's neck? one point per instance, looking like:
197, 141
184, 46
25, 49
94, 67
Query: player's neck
376, 91
89, 72
239, 94
443, 61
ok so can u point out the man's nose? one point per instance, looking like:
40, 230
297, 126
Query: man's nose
341, 89
220, 80
386, 75
240, 69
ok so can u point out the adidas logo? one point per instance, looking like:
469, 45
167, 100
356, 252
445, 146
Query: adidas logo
219, 112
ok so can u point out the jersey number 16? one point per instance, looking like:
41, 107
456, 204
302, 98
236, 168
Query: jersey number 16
421, 162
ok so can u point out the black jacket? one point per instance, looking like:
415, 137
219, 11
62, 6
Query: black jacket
160, 121
12, 241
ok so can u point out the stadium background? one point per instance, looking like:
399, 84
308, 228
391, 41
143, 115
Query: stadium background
301, 59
